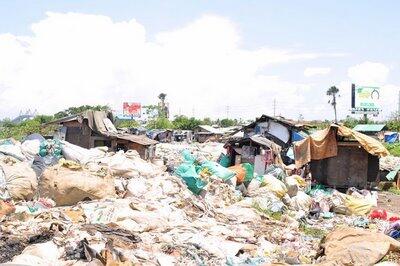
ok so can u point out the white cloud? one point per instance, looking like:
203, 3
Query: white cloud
73, 59
314, 71
368, 73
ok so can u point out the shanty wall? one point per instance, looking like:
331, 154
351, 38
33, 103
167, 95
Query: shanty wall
145, 152
352, 167
78, 134
82, 135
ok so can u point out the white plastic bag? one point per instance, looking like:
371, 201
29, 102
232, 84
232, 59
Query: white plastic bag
275, 185
301, 201
81, 155
292, 185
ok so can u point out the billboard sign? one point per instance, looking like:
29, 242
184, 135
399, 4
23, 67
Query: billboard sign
365, 98
132, 109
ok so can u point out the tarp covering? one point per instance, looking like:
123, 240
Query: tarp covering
391, 137
323, 144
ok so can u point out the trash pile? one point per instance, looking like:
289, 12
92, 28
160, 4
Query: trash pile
82, 206
171, 152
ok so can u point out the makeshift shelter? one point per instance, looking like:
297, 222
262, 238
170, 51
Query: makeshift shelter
256, 150
278, 130
203, 133
181, 135
340, 156
281, 131
95, 128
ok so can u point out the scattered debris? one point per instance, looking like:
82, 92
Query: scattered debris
203, 207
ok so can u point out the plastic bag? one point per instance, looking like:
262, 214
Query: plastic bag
218, 170
268, 202
244, 172
276, 171
301, 201
292, 185
273, 184
187, 172
378, 214
224, 160
240, 173
79, 154
357, 206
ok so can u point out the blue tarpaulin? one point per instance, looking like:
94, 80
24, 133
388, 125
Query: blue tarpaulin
391, 137
296, 136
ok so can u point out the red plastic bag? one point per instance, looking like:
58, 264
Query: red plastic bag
378, 214
394, 219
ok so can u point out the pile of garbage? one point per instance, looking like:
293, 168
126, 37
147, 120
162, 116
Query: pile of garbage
81, 206
171, 152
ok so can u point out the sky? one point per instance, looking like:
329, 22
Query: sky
212, 58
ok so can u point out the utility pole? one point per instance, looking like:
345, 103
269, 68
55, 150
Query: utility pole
398, 108
274, 107
227, 111
193, 111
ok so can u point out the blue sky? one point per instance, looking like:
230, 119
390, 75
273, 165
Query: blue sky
340, 35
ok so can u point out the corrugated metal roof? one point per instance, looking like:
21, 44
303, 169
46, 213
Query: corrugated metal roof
140, 139
211, 129
369, 127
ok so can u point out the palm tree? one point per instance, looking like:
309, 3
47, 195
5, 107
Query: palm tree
162, 97
333, 92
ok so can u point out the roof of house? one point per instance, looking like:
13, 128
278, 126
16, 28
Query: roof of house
280, 120
100, 122
140, 139
369, 127
211, 129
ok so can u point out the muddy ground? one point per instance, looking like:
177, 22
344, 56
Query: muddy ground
389, 201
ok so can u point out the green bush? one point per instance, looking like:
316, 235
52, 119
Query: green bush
393, 148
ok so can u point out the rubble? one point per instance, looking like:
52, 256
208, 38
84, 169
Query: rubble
94, 207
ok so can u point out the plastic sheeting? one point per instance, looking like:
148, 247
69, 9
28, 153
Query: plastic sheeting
323, 144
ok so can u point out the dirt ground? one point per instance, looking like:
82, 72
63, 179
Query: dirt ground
389, 201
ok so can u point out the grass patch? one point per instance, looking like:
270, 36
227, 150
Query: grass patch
273, 215
394, 190
393, 148
311, 231
391, 257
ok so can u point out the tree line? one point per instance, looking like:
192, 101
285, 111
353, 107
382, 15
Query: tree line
158, 120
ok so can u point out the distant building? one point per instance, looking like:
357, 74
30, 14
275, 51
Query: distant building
22, 118
204, 133
376, 130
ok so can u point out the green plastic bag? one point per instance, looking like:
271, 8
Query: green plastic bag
188, 157
249, 168
225, 160
187, 172
276, 171
218, 170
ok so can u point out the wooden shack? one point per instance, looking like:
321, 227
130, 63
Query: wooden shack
341, 157
205, 133
95, 128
